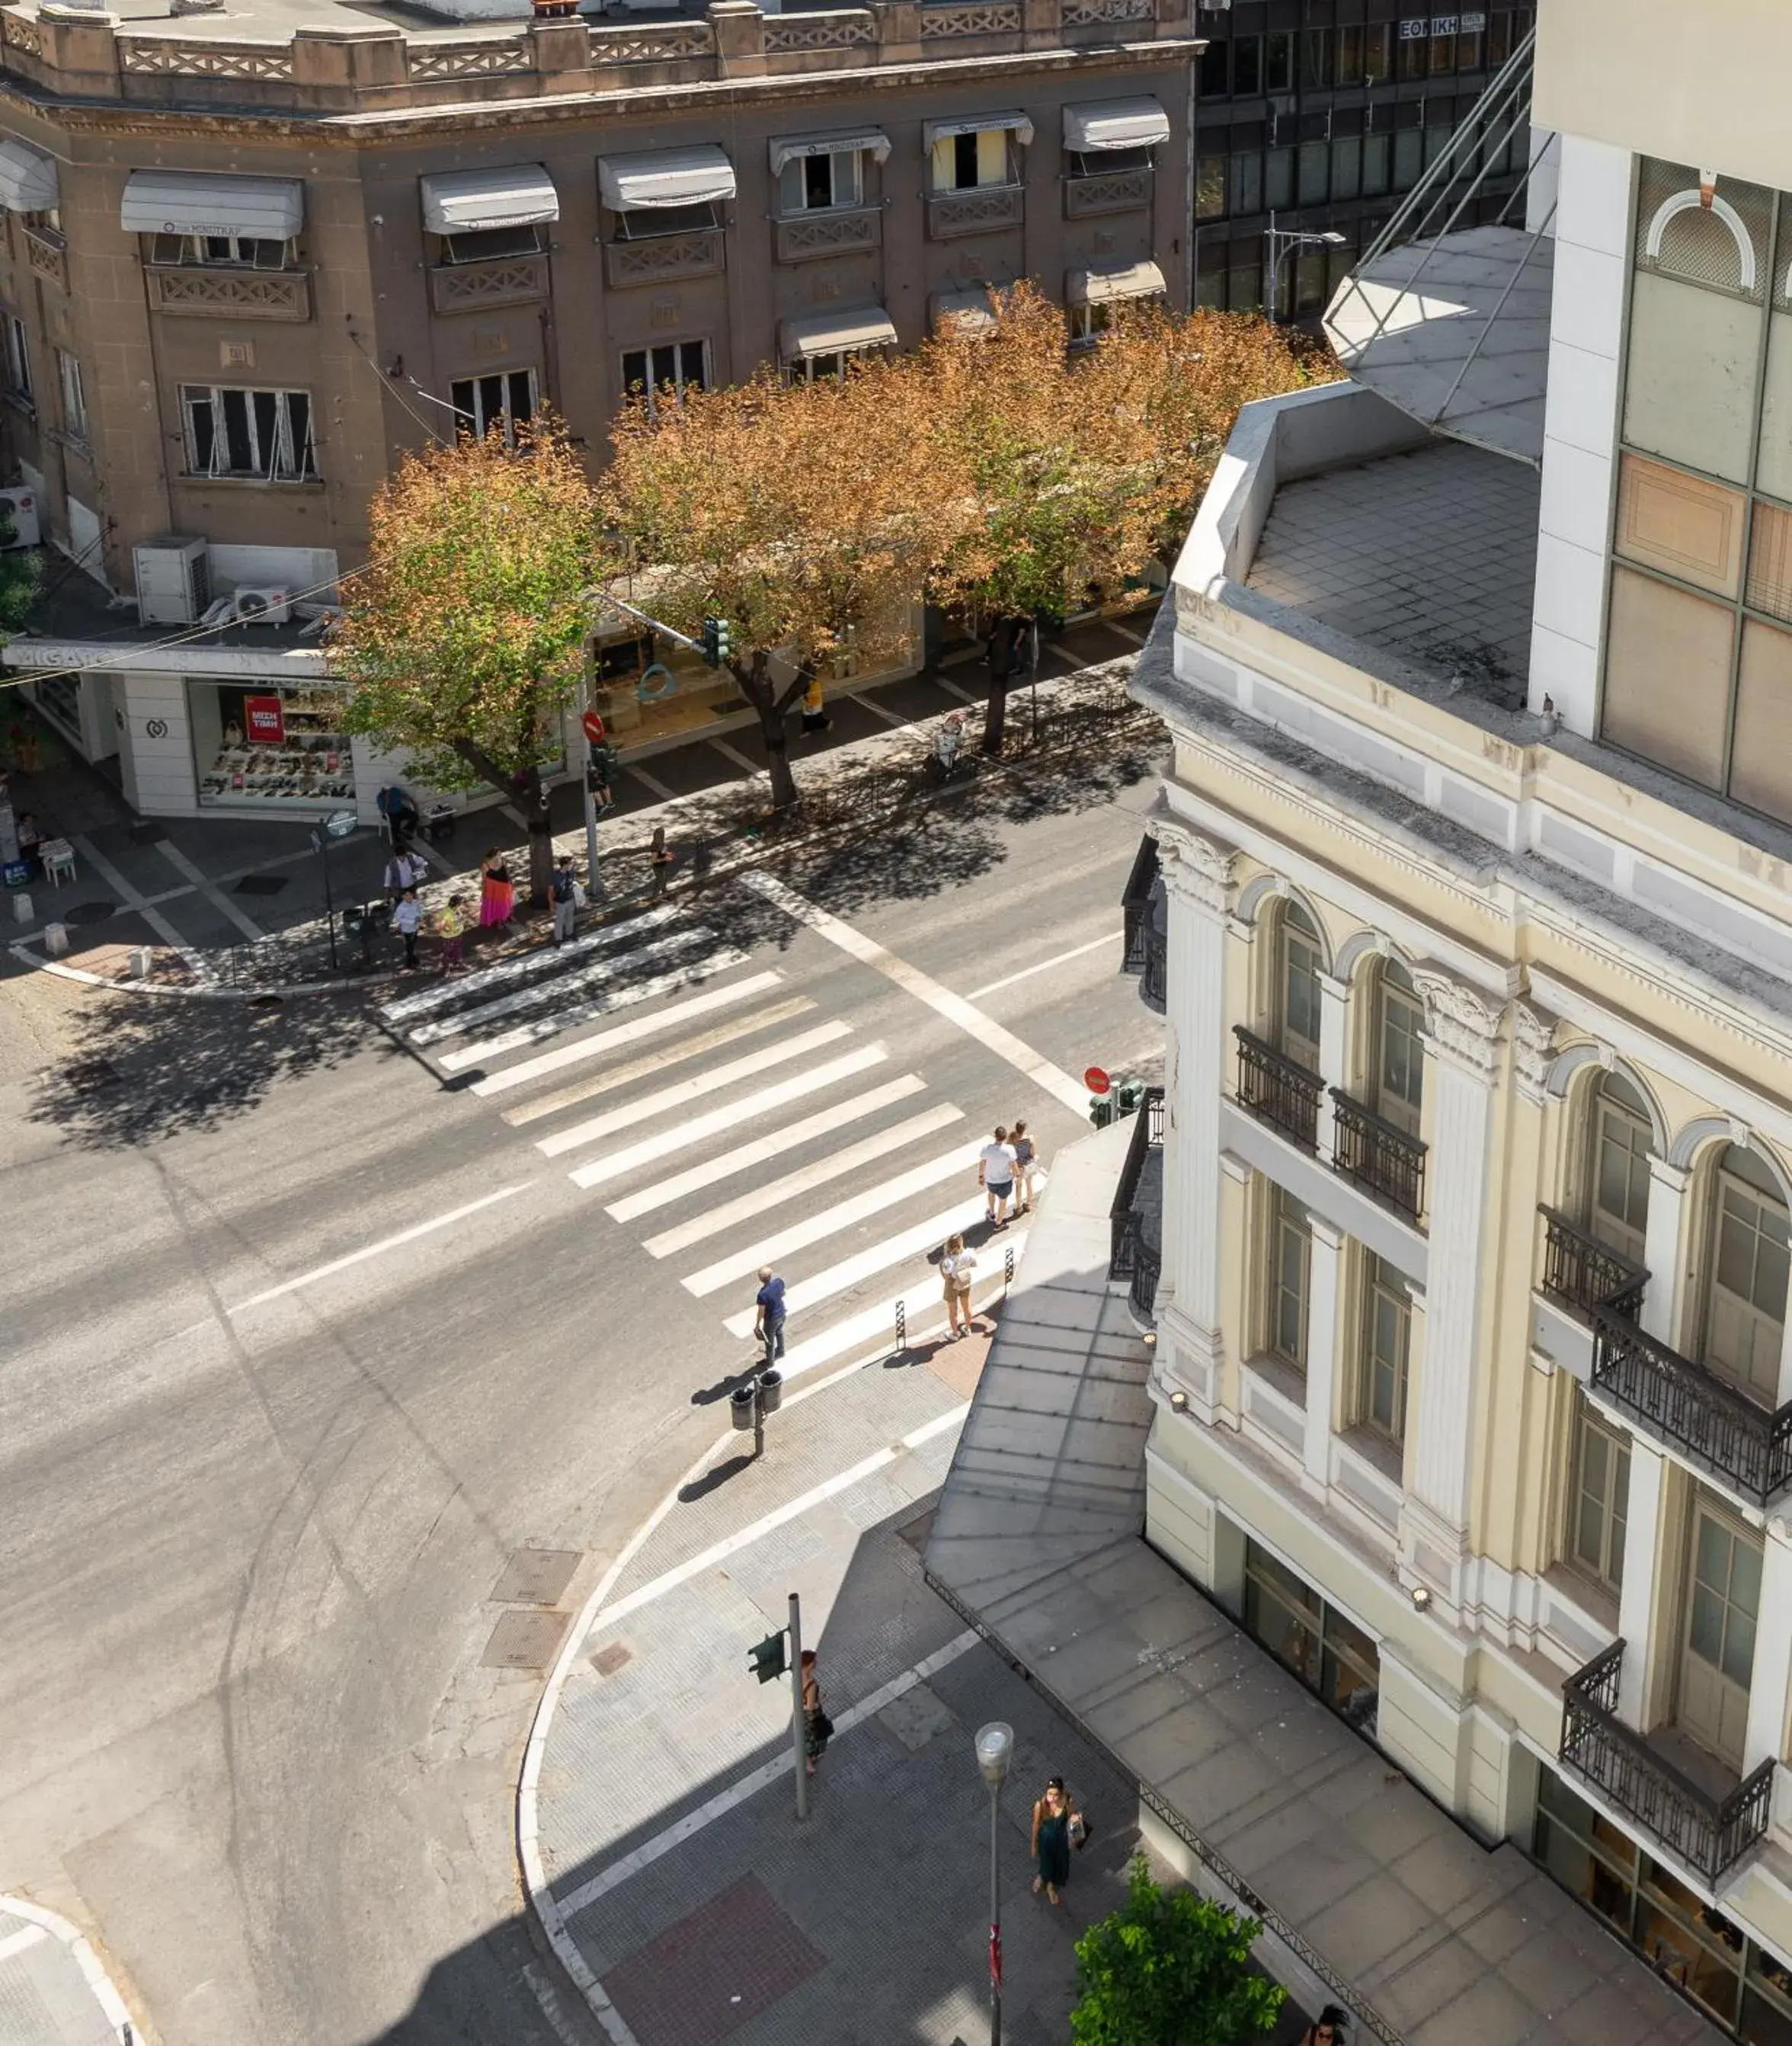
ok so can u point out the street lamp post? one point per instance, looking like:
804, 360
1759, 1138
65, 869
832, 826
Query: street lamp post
995, 1750
1277, 242
339, 824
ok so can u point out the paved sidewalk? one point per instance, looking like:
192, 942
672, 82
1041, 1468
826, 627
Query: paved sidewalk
664, 1856
53, 1991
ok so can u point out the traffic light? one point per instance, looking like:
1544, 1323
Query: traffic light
767, 1657
716, 641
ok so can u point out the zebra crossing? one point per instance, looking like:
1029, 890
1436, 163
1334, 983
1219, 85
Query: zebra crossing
724, 1120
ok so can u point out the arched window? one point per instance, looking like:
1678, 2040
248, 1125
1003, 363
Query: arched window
1617, 1167
1397, 1072
1298, 962
1747, 1264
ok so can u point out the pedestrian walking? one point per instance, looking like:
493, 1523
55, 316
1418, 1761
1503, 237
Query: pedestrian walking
451, 924
995, 1174
404, 869
815, 715
818, 1728
497, 893
1052, 1818
957, 1269
407, 921
563, 888
1026, 1159
768, 1322
1327, 2029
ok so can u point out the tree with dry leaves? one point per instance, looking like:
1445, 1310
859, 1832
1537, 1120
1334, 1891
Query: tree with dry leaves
462, 641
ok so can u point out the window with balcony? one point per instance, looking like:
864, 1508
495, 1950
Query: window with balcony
74, 396
222, 252
663, 373
495, 403
1387, 1349
1747, 1261
487, 244
648, 223
821, 183
1289, 1278
1598, 1494
1397, 1075
1722, 1605
1297, 1003
1617, 1170
260, 436
18, 359
972, 162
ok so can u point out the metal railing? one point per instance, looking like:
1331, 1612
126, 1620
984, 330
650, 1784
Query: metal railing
1373, 1154
1135, 904
1690, 1409
1132, 1254
1276, 1090
1583, 1272
1708, 1834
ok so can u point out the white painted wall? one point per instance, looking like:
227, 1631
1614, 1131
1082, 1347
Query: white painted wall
157, 767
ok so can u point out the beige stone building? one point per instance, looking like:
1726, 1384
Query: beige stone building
241, 266
1474, 1365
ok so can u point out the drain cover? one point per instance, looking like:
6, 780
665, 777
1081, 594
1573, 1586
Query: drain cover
265, 1004
90, 913
525, 1640
262, 884
606, 1662
536, 1576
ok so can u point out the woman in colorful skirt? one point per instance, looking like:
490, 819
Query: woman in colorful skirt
497, 896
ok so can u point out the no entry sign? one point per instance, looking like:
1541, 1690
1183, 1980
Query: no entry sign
1096, 1080
594, 726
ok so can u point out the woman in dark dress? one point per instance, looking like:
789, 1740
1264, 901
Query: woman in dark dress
818, 1728
1051, 1838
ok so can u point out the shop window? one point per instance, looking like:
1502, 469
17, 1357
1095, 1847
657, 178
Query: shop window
648, 223
1212, 77
1387, 1338
1309, 1637
1247, 66
968, 163
264, 436
1598, 1496
820, 184
487, 245
222, 252
1279, 63
665, 372
497, 403
258, 746
18, 359
1289, 1274
1210, 188
74, 396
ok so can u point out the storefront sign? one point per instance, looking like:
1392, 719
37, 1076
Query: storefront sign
264, 720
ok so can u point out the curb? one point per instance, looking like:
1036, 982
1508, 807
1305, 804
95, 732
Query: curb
118, 2016
544, 1914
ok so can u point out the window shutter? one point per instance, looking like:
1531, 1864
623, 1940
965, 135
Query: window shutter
992, 156
944, 157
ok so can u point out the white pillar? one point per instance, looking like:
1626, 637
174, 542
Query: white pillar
1661, 1250
1767, 1684
1325, 1273
1334, 1056
1197, 885
1463, 1035
1639, 1605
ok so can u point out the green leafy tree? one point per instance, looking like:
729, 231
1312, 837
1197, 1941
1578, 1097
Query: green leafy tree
463, 641
21, 576
1170, 1969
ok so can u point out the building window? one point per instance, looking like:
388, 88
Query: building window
1598, 1496
646, 223
1378, 52
18, 359
1279, 63
1297, 1006
1247, 66
1210, 188
820, 184
1212, 79
485, 404
485, 245
965, 162
74, 396
831, 363
1618, 1207
1722, 1606
1398, 1076
265, 435
1315, 60
1350, 70
46, 224
1290, 1269
1748, 1261
221, 252
665, 372
1309, 1636
1387, 1337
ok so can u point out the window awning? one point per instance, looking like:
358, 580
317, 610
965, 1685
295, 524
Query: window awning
1104, 282
465, 202
199, 202
970, 312
694, 176
28, 177
1017, 124
836, 334
1115, 124
786, 148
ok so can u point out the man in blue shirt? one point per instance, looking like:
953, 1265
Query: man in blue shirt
768, 1324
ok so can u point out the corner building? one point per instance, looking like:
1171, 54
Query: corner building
1472, 926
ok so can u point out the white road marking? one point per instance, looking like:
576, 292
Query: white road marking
1045, 966
877, 709
659, 1147
654, 1062
210, 888
22, 1941
742, 1157
954, 1008
644, 1107
842, 1338
835, 1166
1126, 631
378, 1249
914, 1241
503, 971
624, 1033
734, 755
133, 900
963, 696
1068, 664
651, 781
761, 1778
813, 1229
742, 1538
600, 1005
543, 994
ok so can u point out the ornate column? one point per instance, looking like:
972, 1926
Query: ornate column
1463, 1035
1197, 877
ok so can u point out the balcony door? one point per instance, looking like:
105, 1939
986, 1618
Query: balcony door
1297, 996
1618, 1180
1745, 1308
1717, 1651
1399, 1053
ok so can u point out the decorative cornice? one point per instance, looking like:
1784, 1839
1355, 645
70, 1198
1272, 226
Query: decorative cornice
1532, 1036
1194, 868
1461, 1024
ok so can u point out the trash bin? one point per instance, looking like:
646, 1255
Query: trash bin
770, 1391
740, 1408
56, 939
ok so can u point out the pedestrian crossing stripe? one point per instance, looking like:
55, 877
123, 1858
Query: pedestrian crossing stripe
582, 1012
542, 995
912, 1242
502, 972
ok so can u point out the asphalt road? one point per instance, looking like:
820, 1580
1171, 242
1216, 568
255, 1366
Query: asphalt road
248, 1547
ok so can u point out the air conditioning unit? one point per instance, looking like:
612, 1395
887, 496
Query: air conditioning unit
18, 512
252, 604
1217, 6
173, 579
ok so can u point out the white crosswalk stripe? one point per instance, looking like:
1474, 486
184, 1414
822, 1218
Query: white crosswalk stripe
625, 997
912, 1242
509, 972
859, 1332
543, 994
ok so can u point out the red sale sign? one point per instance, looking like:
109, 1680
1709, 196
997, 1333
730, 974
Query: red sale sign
264, 720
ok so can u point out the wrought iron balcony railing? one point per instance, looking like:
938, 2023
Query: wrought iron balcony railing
1136, 1250
1276, 1090
1373, 1154
1708, 1834
1687, 1408
1583, 1273
1146, 949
